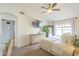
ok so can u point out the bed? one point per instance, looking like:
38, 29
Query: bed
56, 47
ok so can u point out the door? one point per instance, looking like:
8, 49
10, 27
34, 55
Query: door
51, 31
8, 30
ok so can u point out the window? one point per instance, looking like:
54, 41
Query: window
62, 28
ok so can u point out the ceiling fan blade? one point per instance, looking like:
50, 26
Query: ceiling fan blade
49, 5
44, 12
44, 7
54, 5
56, 9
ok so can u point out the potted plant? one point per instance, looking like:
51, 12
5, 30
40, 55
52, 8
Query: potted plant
45, 30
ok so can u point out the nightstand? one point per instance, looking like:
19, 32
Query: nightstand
76, 51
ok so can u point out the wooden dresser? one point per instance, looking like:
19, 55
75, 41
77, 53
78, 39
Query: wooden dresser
35, 38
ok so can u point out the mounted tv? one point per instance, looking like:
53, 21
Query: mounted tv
37, 23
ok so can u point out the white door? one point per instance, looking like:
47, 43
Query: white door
8, 30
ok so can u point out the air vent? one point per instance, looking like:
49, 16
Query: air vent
22, 13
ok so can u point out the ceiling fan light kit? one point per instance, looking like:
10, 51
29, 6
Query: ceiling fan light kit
50, 8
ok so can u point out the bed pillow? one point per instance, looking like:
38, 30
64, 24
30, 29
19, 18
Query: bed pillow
64, 38
71, 40
67, 38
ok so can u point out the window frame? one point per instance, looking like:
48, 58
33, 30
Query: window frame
63, 26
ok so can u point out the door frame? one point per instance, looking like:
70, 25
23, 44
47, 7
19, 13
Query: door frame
14, 27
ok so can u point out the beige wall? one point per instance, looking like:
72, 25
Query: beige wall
50, 22
25, 28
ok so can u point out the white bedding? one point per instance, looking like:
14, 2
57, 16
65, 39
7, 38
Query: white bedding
46, 45
56, 47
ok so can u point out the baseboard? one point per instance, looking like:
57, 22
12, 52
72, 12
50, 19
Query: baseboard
28, 45
47, 52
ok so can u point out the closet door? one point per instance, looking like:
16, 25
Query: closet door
7, 30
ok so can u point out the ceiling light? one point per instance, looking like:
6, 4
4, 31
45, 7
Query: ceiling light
49, 10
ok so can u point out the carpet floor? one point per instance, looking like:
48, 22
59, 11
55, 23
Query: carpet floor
32, 50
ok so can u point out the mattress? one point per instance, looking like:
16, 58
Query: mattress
56, 47
47, 44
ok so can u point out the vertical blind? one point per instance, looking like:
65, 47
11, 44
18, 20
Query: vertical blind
62, 27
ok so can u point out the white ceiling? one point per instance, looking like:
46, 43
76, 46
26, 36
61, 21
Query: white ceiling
68, 10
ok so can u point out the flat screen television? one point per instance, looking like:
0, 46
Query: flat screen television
37, 23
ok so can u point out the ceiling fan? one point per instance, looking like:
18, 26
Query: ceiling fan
50, 8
